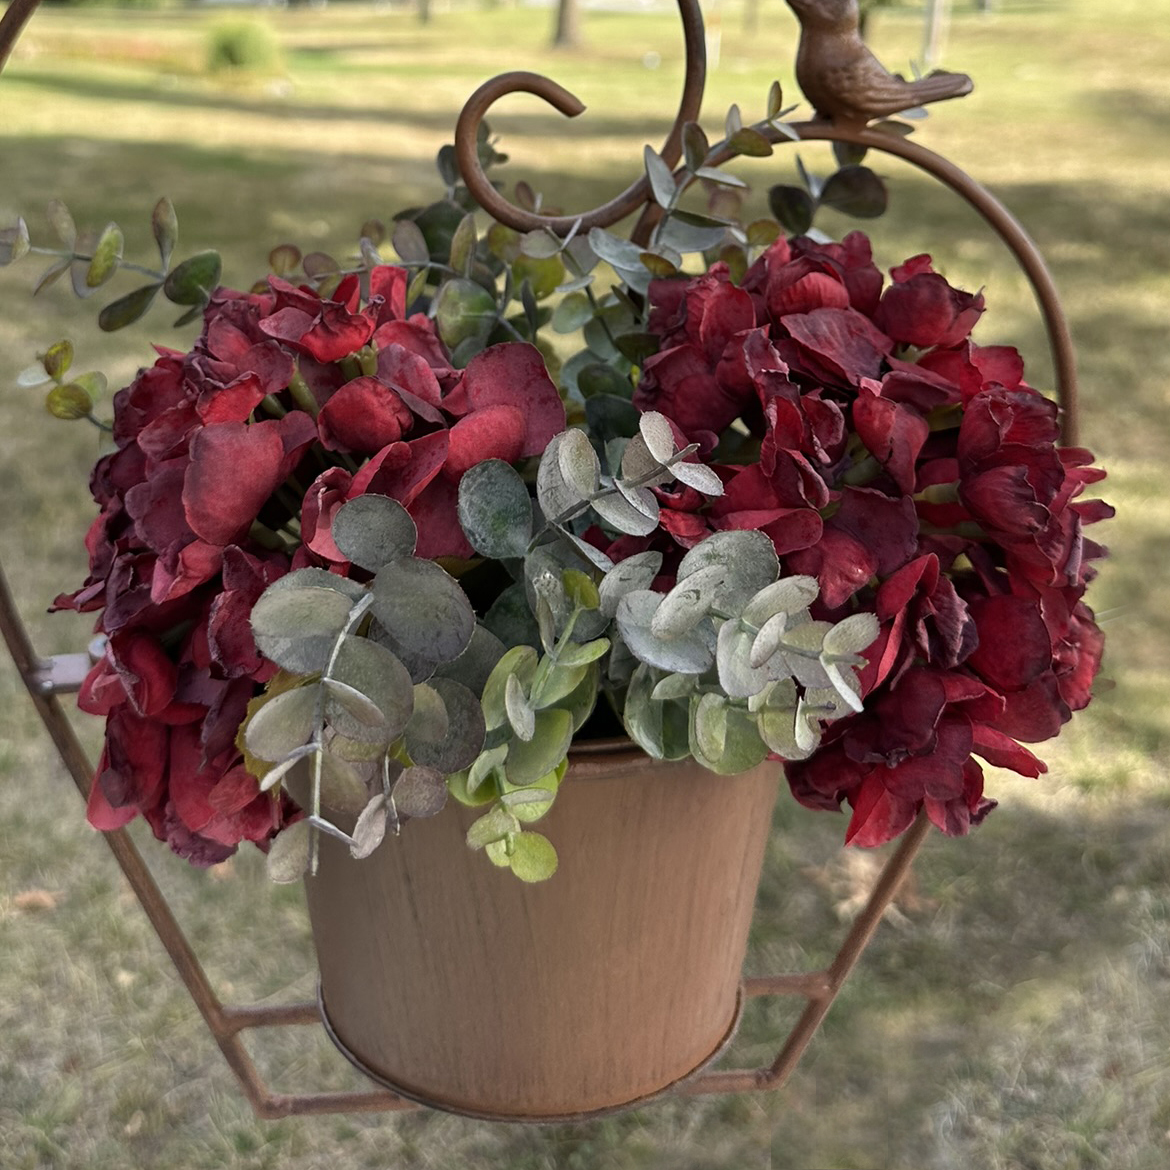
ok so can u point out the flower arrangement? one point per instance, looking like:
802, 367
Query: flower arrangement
372, 545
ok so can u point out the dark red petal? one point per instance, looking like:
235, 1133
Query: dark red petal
363, 416
878, 815
514, 374
494, 432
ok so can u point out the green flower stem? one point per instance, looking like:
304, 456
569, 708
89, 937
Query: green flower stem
938, 493
97, 422
263, 535
302, 395
271, 405
367, 358
351, 367
863, 472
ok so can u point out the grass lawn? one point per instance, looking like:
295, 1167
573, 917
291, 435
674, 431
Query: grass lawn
1014, 1013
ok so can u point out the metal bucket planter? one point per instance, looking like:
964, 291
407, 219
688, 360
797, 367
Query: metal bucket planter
461, 987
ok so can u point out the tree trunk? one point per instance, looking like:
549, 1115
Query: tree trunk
568, 29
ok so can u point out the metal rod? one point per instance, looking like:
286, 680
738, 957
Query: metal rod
14, 19
634, 196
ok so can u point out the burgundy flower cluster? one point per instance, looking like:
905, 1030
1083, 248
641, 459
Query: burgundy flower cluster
915, 475
230, 461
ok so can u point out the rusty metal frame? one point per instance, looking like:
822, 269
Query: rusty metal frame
46, 679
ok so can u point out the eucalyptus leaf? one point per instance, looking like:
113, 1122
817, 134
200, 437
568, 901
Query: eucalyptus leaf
749, 558
494, 826
69, 402
688, 602
342, 789
193, 281
767, 641
297, 627
695, 146
674, 686
370, 829
61, 221
557, 495
420, 792
698, 476
485, 763
742, 747
690, 653
518, 709
495, 509
472, 667
428, 721
634, 573
14, 242
532, 857
464, 312
128, 309
463, 246
463, 739
319, 578
857, 191
540, 244
372, 530
572, 313
379, 675
106, 256
520, 661
618, 253
578, 463
793, 207
851, 635
288, 853
363, 709
618, 512
789, 595
739, 677
425, 617
528, 761
662, 183
164, 224
583, 653
509, 619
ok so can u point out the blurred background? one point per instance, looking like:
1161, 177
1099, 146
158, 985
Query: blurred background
1014, 1010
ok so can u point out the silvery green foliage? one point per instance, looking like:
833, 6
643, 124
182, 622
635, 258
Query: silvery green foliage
360, 699
731, 665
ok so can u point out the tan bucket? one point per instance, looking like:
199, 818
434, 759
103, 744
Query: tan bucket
458, 985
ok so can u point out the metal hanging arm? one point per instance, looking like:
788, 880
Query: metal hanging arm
634, 196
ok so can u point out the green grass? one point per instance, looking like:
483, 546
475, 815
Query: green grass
1014, 1016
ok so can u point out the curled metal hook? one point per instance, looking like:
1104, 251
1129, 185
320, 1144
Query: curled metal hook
634, 196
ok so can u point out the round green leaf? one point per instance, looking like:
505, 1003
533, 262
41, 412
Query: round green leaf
793, 207
552, 736
288, 853
463, 739
106, 256
419, 792
320, 578
282, 724
688, 602
857, 191
193, 281
342, 789
425, 617
495, 509
532, 858
520, 661
372, 530
749, 558
464, 311
70, 401
375, 672
297, 627
690, 653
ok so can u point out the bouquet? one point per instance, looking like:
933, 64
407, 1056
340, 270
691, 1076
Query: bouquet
394, 535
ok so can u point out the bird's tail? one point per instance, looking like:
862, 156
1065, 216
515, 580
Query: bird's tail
940, 84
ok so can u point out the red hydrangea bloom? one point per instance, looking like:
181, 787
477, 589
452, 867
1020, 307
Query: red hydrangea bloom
220, 454
890, 449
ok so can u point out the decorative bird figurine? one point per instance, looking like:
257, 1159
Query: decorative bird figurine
844, 81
